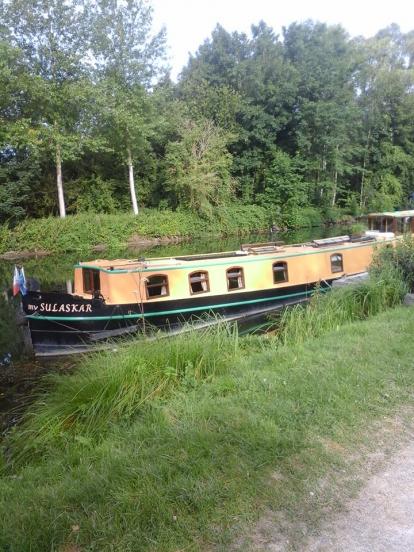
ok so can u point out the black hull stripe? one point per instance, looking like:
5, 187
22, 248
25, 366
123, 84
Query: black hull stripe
168, 312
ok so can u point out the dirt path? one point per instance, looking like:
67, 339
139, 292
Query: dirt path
380, 518
368, 509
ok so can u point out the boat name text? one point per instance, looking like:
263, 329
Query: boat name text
55, 307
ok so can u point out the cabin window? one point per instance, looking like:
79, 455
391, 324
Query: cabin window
280, 272
199, 282
235, 278
337, 264
91, 280
157, 286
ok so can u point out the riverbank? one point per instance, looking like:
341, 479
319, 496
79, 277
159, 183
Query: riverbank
193, 458
87, 232
92, 232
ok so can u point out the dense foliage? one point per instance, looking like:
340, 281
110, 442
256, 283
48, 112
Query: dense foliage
312, 118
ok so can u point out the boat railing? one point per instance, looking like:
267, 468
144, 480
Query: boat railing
331, 241
337, 240
266, 247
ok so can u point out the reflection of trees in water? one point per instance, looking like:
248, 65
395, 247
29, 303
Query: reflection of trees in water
11, 340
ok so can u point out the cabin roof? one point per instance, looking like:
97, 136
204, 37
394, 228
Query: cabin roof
393, 214
253, 254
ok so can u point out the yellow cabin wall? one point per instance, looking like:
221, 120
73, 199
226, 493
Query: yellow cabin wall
118, 288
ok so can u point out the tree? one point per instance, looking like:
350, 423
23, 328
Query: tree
128, 60
197, 167
284, 187
253, 88
385, 80
53, 38
324, 117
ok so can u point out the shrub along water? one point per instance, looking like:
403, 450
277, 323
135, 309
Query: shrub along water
83, 231
401, 257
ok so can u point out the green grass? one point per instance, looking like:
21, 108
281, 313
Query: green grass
400, 258
111, 460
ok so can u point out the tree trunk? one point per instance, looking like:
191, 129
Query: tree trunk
335, 187
59, 182
361, 197
132, 183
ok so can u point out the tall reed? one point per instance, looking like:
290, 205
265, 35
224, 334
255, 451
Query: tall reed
328, 312
115, 386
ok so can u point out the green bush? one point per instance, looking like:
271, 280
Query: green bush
332, 215
306, 217
400, 258
357, 228
328, 312
91, 195
5, 237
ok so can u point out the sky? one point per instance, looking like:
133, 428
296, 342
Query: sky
190, 22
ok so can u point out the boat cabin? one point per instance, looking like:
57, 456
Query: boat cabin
256, 269
399, 222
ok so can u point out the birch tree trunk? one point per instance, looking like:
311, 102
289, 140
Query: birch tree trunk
361, 198
335, 187
59, 182
132, 183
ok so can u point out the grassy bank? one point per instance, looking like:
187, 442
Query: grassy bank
175, 445
82, 232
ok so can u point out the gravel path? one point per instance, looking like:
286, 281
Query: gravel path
380, 519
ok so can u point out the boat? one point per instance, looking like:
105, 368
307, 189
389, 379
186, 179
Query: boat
112, 298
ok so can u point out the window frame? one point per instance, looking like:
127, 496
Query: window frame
207, 280
167, 284
239, 268
335, 270
285, 271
